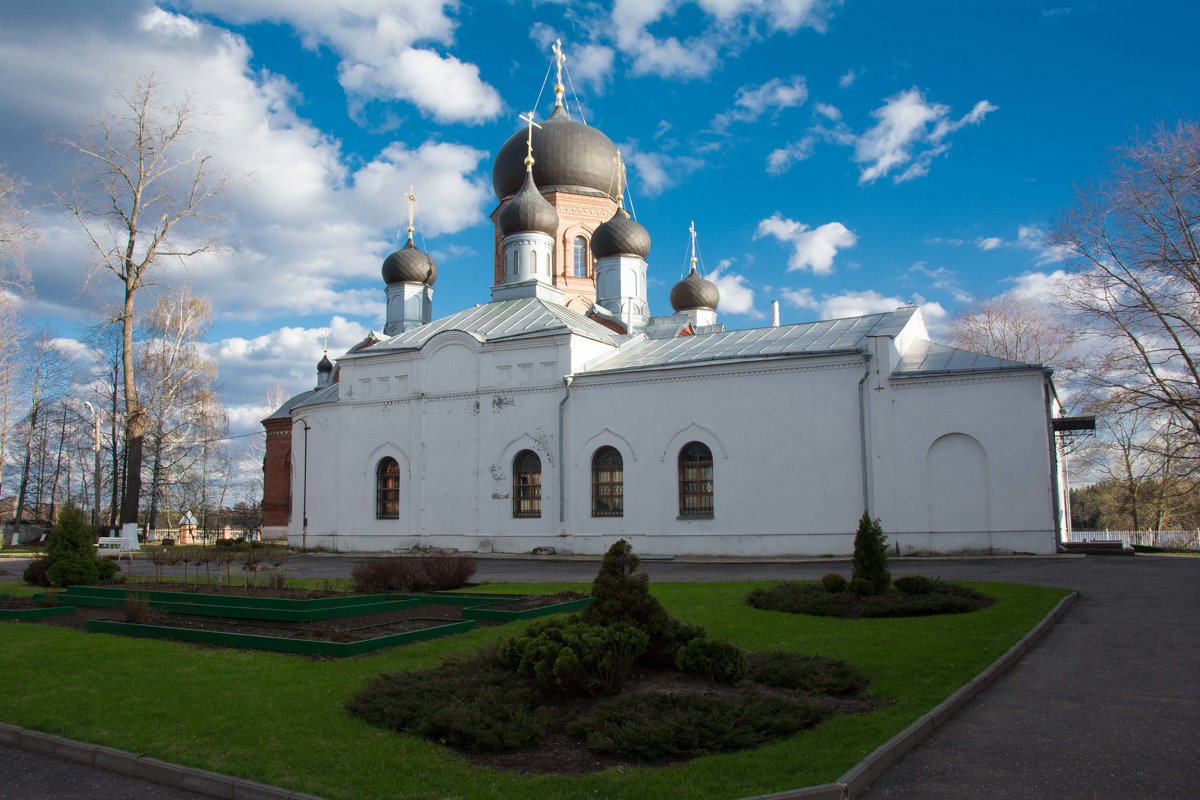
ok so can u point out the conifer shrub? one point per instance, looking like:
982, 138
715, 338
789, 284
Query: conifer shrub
622, 595
914, 584
568, 655
69, 555
73, 571
860, 587
870, 555
833, 583
71, 536
805, 673
37, 572
716, 660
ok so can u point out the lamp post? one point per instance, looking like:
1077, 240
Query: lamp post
96, 479
304, 491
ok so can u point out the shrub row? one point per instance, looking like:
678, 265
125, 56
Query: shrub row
412, 573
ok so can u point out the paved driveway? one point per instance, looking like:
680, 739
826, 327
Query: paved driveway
1105, 707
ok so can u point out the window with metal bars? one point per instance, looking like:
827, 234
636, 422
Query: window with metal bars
581, 265
527, 484
695, 480
387, 489
608, 483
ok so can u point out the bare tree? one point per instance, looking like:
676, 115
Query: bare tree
17, 232
11, 344
1133, 241
46, 380
146, 186
1010, 327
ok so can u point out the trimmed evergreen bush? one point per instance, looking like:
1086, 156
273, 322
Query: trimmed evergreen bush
860, 587
805, 673
35, 573
833, 583
719, 661
73, 571
70, 558
870, 555
71, 536
914, 584
565, 654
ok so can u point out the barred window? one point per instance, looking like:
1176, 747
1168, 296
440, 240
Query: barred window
695, 480
387, 489
527, 484
608, 483
581, 266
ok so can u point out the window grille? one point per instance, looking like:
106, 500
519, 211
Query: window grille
608, 483
387, 489
695, 480
527, 484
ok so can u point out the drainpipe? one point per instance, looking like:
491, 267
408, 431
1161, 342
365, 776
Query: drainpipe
1055, 489
562, 461
862, 427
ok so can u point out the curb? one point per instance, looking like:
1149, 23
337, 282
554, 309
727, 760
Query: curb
177, 776
861, 775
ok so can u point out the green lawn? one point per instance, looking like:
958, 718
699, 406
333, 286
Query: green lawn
280, 719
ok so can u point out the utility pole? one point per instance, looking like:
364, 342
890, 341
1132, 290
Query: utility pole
96, 478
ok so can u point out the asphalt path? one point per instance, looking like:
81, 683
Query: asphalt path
1106, 706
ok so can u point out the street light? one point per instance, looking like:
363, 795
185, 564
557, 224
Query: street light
96, 480
304, 493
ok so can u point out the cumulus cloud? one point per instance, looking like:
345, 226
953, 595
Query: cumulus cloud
847, 79
736, 295
377, 42
812, 248
1030, 238
857, 304
656, 172
909, 133
1041, 287
781, 159
751, 102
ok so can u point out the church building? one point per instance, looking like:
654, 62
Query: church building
564, 414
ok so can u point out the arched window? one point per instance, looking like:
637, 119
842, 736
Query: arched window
695, 480
581, 265
387, 489
608, 483
527, 484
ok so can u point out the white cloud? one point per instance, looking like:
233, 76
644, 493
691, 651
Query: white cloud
1041, 287
909, 134
781, 159
736, 296
830, 112
1029, 237
989, 243
812, 248
376, 41
857, 304
944, 279
847, 79
657, 172
158, 21
751, 102
592, 65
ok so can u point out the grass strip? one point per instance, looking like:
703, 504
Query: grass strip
281, 720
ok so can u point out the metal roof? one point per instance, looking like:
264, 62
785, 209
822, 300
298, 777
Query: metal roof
811, 338
326, 394
285, 410
492, 322
924, 357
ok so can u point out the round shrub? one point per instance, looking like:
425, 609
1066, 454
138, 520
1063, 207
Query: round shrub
568, 655
719, 661
914, 584
106, 570
833, 583
805, 673
74, 571
36, 572
861, 587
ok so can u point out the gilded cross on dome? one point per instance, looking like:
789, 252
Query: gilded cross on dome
560, 58
529, 140
412, 209
620, 162
692, 232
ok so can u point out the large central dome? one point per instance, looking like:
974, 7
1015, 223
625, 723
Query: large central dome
568, 156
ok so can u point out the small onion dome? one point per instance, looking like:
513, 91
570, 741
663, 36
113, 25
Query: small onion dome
621, 235
528, 211
694, 292
325, 366
409, 265
570, 156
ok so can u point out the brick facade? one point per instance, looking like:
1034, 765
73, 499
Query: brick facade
277, 474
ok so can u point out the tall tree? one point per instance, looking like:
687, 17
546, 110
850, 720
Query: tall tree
17, 231
1012, 327
146, 184
46, 380
1134, 242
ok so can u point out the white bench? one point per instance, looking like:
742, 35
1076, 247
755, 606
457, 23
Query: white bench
107, 545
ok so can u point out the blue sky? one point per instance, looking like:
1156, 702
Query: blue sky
838, 157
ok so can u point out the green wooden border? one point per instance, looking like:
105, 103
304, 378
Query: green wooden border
35, 613
276, 643
498, 614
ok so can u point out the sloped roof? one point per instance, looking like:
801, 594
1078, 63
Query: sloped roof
924, 357
492, 322
810, 338
285, 410
326, 394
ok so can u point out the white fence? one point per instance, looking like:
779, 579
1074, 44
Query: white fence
1173, 540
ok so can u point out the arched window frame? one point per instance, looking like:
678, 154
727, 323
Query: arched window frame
580, 257
387, 489
696, 487
608, 482
527, 485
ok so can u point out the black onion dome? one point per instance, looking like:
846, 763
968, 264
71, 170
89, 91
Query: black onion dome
570, 156
324, 365
621, 235
528, 211
694, 292
409, 265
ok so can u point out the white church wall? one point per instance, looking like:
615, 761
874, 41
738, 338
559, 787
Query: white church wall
962, 463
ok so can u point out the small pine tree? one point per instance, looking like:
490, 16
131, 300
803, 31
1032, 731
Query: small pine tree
71, 536
870, 555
